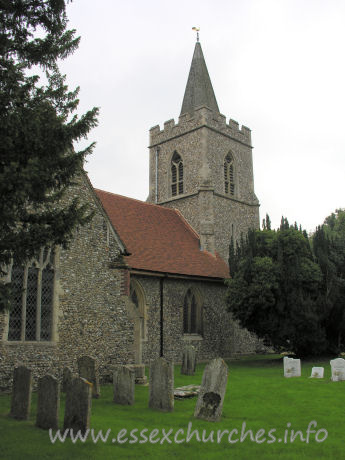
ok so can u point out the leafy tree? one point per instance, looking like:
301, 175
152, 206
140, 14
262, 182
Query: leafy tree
274, 291
37, 132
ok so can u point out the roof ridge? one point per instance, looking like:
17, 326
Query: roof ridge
135, 199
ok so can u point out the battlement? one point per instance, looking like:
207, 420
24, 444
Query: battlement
202, 116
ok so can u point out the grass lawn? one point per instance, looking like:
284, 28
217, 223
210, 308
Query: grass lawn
257, 394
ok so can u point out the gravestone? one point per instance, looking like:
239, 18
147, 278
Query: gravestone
212, 391
48, 402
78, 405
87, 370
123, 379
139, 373
188, 360
338, 369
67, 376
292, 367
21, 393
317, 373
161, 385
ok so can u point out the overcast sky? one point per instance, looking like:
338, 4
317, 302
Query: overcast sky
277, 66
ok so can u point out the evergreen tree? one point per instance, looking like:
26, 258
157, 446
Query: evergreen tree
37, 132
275, 290
329, 249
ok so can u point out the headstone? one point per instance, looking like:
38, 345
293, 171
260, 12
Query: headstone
188, 360
212, 391
317, 373
161, 385
67, 376
292, 367
21, 393
87, 370
139, 373
78, 405
48, 403
338, 369
123, 380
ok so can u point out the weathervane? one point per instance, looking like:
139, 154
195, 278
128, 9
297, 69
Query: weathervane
197, 32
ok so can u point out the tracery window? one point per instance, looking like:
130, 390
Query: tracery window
192, 314
176, 175
31, 317
229, 182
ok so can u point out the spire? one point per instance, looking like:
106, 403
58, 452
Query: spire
199, 89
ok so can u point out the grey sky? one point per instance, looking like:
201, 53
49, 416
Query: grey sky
277, 66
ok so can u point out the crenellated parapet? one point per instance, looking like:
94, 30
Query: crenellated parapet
201, 117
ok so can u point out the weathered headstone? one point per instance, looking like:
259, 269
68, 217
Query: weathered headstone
338, 369
123, 380
139, 373
88, 371
292, 367
78, 405
188, 360
161, 385
21, 393
48, 403
67, 376
212, 391
317, 373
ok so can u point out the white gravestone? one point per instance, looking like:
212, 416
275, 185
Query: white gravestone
292, 367
338, 369
317, 373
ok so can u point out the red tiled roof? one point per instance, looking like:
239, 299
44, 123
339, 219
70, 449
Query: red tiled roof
159, 239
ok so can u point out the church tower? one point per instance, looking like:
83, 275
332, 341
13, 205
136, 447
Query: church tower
203, 166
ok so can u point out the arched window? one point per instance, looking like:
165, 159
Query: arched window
137, 297
176, 175
229, 182
192, 313
31, 317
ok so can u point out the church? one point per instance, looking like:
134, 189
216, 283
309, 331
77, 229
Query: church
143, 279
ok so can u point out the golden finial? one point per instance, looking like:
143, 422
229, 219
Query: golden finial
197, 32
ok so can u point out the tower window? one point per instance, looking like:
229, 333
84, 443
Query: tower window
229, 183
192, 314
176, 175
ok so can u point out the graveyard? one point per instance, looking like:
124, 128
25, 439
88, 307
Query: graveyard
257, 394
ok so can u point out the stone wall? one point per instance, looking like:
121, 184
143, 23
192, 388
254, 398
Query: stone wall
90, 313
225, 340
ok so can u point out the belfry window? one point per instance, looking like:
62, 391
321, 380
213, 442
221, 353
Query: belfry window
192, 314
229, 183
176, 175
31, 316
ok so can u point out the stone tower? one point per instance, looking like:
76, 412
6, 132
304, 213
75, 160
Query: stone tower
203, 166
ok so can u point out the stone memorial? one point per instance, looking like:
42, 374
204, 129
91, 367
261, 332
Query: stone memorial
188, 360
139, 373
67, 376
88, 371
123, 380
212, 391
78, 405
338, 369
48, 403
317, 373
161, 385
21, 393
292, 367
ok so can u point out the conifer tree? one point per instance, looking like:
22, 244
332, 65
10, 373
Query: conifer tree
37, 132
275, 290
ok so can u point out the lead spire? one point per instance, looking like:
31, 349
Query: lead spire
199, 91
